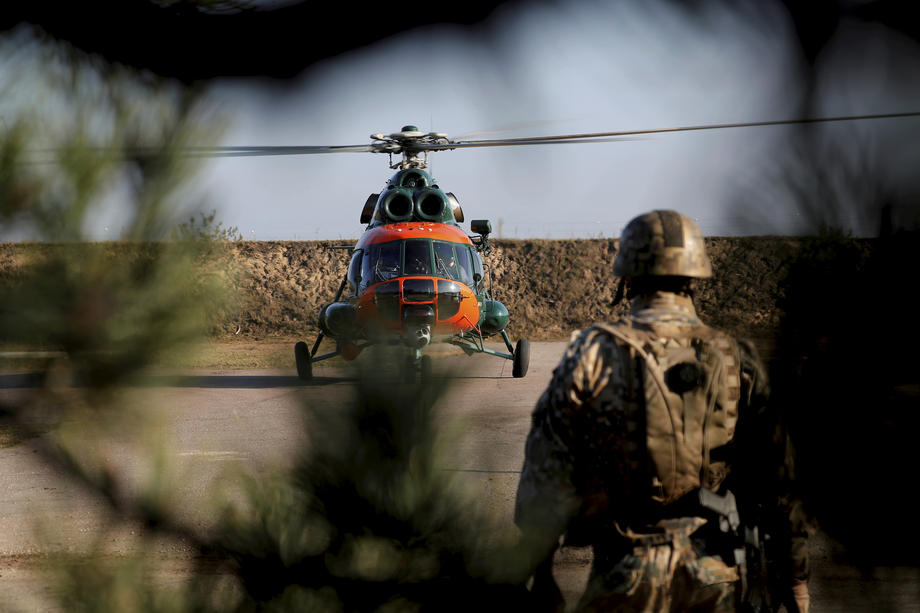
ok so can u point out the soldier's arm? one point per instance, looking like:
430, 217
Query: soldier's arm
546, 497
767, 466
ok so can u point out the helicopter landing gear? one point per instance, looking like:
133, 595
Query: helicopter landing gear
521, 358
304, 363
410, 370
417, 368
519, 354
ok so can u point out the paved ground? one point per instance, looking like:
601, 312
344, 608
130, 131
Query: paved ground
214, 420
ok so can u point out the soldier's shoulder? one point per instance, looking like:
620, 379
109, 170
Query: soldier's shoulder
752, 368
724, 340
747, 352
591, 341
601, 332
748, 349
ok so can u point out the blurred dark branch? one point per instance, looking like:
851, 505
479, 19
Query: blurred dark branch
186, 41
195, 40
815, 23
900, 15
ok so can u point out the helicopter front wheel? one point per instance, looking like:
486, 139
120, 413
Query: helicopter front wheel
304, 364
417, 369
425, 369
521, 358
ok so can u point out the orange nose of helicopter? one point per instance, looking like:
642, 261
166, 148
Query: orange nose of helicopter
441, 306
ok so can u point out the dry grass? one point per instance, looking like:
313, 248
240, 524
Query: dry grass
241, 354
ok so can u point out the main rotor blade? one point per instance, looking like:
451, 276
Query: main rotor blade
509, 128
276, 150
392, 147
518, 143
545, 140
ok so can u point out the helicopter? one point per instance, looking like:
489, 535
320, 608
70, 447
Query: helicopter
415, 277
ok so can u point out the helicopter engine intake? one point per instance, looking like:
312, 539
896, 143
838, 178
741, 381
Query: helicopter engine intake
397, 204
430, 204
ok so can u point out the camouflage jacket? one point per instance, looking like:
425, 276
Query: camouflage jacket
585, 458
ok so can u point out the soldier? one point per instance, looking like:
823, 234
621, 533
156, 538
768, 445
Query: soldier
654, 444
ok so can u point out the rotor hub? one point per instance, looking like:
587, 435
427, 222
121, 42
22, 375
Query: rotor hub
412, 143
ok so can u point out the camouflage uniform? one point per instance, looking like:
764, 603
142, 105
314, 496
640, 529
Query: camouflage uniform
602, 472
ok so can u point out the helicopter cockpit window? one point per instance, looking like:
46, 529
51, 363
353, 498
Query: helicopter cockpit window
381, 263
466, 271
445, 265
418, 258
354, 271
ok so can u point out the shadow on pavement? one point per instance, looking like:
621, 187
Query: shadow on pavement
25, 380
229, 381
239, 381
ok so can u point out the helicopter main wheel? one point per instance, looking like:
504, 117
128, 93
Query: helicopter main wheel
521, 358
302, 357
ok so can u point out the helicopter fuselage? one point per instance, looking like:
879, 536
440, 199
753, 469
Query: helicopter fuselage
414, 277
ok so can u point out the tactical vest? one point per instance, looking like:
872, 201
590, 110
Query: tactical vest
691, 382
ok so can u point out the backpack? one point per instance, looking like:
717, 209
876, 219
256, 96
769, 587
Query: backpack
692, 385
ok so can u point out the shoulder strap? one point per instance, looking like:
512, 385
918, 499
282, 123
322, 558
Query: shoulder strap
633, 338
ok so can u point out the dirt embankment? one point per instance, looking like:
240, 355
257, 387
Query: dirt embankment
550, 287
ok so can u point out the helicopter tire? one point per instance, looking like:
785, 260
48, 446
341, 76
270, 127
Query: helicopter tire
410, 370
521, 358
302, 358
425, 369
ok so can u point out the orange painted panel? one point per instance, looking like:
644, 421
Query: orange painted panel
369, 315
413, 229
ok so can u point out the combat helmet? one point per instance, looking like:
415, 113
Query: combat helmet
662, 243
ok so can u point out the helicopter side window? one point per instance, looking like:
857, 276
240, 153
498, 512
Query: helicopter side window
418, 257
354, 271
445, 265
367, 268
477, 267
466, 270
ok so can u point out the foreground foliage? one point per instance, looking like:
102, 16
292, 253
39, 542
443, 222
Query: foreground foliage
365, 520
